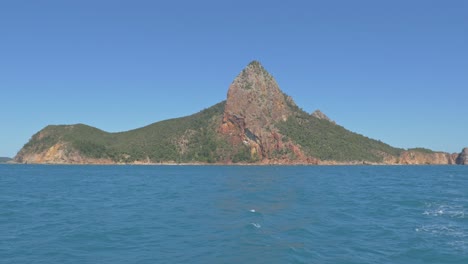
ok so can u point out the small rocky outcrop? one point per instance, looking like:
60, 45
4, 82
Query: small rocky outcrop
463, 157
320, 115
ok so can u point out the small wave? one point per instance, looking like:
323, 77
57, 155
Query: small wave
460, 245
256, 225
454, 211
454, 237
443, 230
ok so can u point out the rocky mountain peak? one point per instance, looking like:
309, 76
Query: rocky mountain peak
255, 96
254, 104
252, 77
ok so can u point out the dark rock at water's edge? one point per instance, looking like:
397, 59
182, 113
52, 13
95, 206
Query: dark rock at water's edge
463, 157
5, 159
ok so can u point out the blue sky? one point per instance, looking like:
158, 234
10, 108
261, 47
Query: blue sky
395, 70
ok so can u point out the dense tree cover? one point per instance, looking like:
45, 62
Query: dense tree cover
195, 139
422, 150
328, 141
187, 139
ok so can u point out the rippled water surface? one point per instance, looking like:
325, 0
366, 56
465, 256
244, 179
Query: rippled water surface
221, 214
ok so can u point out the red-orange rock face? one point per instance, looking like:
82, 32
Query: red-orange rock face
255, 96
254, 104
414, 157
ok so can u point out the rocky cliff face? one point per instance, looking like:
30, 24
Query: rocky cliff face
59, 153
462, 159
254, 104
40, 150
416, 157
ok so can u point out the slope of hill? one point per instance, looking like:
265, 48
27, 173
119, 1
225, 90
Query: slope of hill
327, 141
187, 139
257, 123
4, 159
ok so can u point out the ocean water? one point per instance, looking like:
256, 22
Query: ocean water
223, 214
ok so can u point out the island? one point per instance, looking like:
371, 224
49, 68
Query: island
256, 124
5, 159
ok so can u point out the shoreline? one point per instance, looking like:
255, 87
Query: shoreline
229, 164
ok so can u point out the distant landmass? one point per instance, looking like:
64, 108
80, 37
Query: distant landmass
4, 159
257, 124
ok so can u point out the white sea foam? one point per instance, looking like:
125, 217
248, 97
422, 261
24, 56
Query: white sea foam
454, 211
460, 245
443, 230
454, 236
256, 225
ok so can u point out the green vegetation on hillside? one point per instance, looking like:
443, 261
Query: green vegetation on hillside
188, 139
4, 159
422, 150
195, 139
328, 141
182, 140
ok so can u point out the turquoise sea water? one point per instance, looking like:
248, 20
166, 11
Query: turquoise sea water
221, 214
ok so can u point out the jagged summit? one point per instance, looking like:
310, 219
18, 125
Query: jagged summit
257, 67
255, 63
252, 75
254, 93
